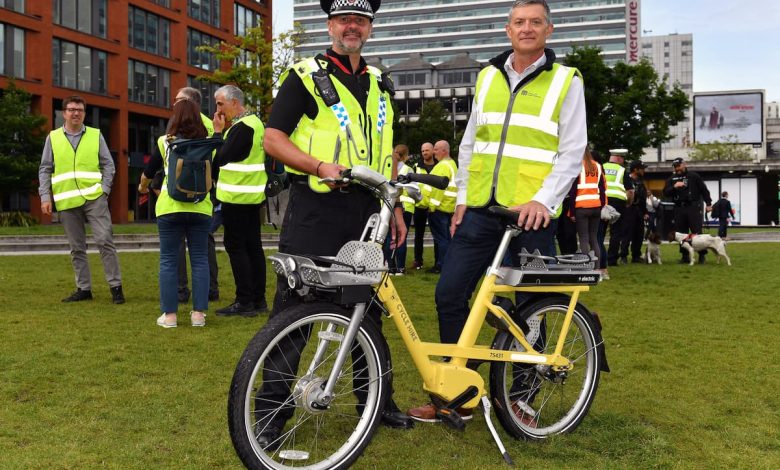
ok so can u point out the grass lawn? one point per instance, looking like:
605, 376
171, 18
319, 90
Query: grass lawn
91, 384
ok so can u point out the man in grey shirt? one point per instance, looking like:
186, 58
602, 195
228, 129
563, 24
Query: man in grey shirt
76, 172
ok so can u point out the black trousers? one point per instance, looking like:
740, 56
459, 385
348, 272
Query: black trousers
316, 224
688, 219
420, 221
617, 234
245, 250
635, 232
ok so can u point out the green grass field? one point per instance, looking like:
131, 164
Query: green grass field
694, 381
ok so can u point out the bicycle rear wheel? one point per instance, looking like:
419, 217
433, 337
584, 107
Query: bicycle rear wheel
535, 401
277, 381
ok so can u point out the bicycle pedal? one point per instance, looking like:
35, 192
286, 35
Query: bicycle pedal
451, 418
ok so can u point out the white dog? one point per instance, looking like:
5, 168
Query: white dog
653, 253
702, 242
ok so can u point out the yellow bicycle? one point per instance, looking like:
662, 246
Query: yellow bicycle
322, 369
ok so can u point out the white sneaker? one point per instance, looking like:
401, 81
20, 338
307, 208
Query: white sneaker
162, 321
198, 318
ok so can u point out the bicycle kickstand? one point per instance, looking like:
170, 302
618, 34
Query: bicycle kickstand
486, 406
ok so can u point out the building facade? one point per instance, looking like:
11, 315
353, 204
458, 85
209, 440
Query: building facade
125, 58
439, 30
672, 58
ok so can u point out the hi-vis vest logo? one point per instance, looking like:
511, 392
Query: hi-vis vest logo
610, 171
529, 94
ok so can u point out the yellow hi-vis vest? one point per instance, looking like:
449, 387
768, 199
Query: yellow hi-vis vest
244, 182
76, 178
166, 204
613, 174
516, 143
407, 201
342, 133
443, 200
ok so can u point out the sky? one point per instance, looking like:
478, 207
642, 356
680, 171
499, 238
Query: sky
734, 42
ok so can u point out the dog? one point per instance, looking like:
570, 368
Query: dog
653, 253
701, 242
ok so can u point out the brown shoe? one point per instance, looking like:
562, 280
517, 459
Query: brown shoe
427, 413
524, 413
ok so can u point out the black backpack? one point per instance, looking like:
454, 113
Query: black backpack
278, 180
189, 168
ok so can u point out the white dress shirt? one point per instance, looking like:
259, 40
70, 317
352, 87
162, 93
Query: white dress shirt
572, 139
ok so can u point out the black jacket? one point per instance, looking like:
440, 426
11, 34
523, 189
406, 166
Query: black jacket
694, 190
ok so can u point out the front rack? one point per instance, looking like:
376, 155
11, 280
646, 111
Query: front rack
357, 264
538, 270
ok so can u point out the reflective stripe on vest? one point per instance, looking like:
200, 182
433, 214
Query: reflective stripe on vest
516, 142
243, 182
336, 134
443, 200
588, 189
613, 174
166, 204
76, 177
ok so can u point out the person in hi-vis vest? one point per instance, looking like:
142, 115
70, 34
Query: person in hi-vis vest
521, 149
76, 172
317, 128
241, 190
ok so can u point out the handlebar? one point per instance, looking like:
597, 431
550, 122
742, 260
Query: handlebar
438, 182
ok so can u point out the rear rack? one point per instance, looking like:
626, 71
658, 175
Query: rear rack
539, 270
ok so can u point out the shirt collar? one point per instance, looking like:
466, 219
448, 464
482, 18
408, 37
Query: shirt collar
81, 131
511, 72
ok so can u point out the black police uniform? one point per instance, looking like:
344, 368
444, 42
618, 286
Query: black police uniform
688, 215
617, 230
635, 223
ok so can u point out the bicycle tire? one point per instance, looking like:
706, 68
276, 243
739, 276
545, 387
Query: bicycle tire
533, 401
314, 439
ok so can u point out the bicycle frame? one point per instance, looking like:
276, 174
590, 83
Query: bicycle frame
448, 380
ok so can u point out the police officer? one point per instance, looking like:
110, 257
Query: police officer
620, 192
687, 189
636, 213
314, 142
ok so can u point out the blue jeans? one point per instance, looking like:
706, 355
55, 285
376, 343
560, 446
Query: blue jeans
195, 227
470, 253
440, 229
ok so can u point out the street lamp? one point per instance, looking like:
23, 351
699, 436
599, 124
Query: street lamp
454, 132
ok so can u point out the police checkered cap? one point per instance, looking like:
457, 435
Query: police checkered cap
350, 7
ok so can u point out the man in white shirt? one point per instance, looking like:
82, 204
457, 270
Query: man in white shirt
522, 148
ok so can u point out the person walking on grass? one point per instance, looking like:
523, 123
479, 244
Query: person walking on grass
76, 172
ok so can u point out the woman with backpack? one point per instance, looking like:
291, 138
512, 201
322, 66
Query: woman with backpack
180, 214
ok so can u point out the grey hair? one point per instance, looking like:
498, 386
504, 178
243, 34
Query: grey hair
231, 92
192, 94
522, 3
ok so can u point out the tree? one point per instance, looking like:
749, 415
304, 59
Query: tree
729, 150
627, 106
21, 140
433, 124
257, 64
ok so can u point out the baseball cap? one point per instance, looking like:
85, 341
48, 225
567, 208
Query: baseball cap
636, 164
365, 8
677, 161
618, 152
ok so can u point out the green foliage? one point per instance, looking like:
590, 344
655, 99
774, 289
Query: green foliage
92, 384
729, 150
433, 124
21, 140
17, 219
628, 106
256, 63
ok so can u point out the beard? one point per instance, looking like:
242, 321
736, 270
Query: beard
347, 49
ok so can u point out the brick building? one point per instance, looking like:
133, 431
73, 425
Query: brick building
126, 58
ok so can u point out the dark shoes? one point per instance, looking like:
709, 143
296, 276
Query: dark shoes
637, 260
433, 270
268, 437
237, 308
396, 419
78, 296
117, 296
213, 295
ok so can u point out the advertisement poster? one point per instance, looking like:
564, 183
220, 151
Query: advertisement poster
736, 117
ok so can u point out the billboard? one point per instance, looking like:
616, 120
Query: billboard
737, 117
633, 27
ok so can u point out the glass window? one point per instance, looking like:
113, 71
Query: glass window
207, 90
148, 32
12, 48
88, 16
206, 11
79, 67
243, 19
15, 5
196, 58
148, 84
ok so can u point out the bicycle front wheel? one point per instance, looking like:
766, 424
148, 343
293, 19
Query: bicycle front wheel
536, 401
274, 415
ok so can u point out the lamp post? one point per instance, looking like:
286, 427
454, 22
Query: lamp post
454, 129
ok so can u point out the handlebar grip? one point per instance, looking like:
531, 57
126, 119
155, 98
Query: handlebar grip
439, 182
